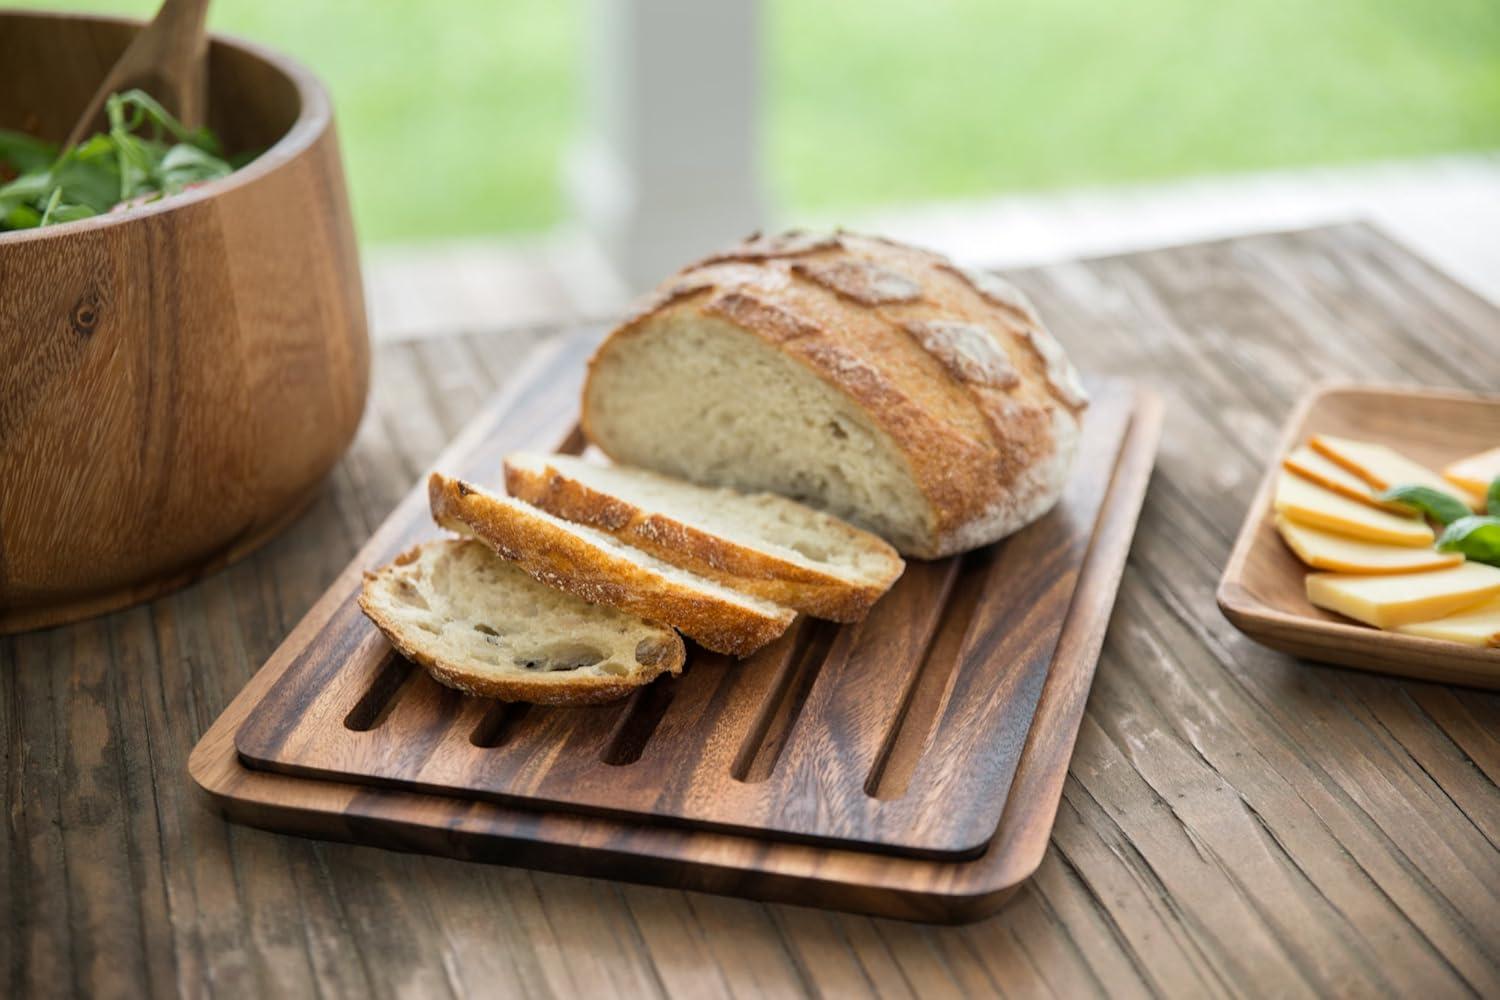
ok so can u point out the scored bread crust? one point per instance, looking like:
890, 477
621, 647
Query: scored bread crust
808, 589
555, 688
953, 365
564, 557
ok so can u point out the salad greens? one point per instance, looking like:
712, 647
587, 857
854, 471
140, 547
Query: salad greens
146, 154
1476, 536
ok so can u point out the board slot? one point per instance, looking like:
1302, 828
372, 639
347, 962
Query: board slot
499, 724
375, 704
636, 726
931, 682
778, 716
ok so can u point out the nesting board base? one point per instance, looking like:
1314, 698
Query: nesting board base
707, 860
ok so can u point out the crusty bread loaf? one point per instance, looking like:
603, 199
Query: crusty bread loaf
759, 543
480, 624
601, 570
876, 381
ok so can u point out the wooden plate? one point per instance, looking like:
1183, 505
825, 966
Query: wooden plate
1262, 591
711, 859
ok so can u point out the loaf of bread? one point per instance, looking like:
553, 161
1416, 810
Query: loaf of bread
758, 543
876, 381
478, 623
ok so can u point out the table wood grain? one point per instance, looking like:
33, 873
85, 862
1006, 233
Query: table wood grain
1235, 822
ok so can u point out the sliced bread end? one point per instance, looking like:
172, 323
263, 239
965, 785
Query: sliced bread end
761, 544
479, 624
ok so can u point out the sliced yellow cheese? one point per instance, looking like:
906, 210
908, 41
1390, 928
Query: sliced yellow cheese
1307, 503
1322, 550
1391, 601
1331, 476
1476, 472
1479, 626
1384, 467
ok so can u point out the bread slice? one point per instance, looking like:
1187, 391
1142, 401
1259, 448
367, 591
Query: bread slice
601, 570
479, 624
759, 543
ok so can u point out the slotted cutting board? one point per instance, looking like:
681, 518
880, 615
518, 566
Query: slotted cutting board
899, 734
540, 407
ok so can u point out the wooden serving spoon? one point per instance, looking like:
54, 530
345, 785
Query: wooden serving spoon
166, 60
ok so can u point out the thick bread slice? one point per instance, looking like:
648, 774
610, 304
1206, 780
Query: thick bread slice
479, 624
760, 543
919, 400
601, 570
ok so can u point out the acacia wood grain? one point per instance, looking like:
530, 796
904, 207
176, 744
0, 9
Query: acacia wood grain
176, 380
1295, 793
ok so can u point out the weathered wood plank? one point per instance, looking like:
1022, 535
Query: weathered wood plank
1236, 822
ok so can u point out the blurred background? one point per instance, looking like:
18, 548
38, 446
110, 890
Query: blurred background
521, 161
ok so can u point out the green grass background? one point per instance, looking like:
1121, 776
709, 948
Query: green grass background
454, 114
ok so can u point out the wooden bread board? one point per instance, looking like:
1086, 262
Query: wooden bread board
382, 792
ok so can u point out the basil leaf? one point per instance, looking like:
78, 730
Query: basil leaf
29, 188
1492, 501
1444, 508
53, 201
88, 176
186, 164
25, 154
1476, 536
21, 217
71, 213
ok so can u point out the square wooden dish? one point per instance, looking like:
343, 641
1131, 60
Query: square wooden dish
985, 667
1262, 591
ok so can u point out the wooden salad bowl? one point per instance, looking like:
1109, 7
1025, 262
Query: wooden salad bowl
174, 380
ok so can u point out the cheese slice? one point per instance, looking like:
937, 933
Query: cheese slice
1476, 472
1322, 550
1331, 476
1479, 626
1391, 601
1383, 467
1307, 503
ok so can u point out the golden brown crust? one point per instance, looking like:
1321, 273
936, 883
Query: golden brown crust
861, 281
757, 246
567, 560
752, 571
571, 689
841, 305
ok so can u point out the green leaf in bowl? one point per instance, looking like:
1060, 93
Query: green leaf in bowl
1444, 508
1476, 536
24, 153
186, 164
1492, 500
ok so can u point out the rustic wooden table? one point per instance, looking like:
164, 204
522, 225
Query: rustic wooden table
1235, 822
